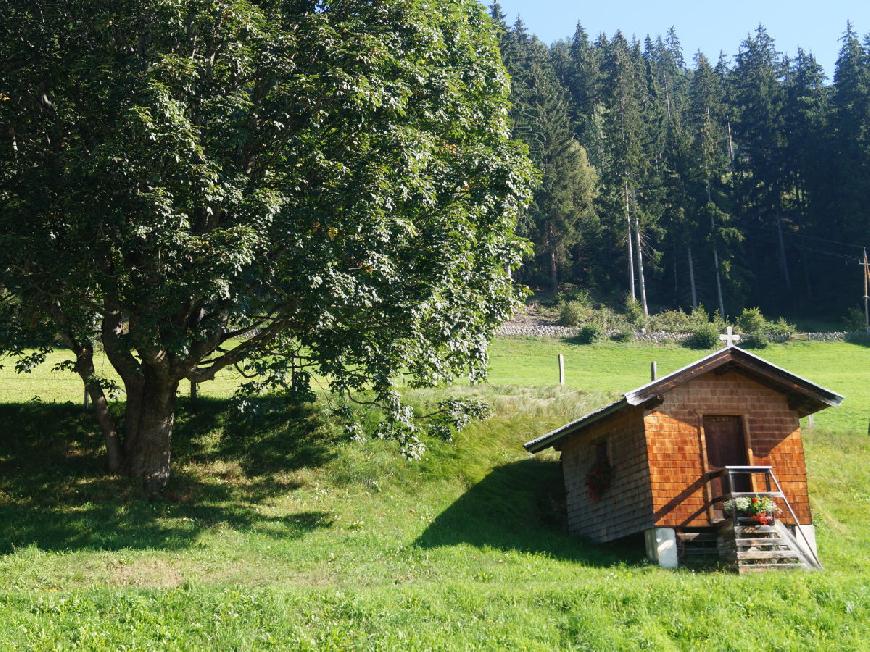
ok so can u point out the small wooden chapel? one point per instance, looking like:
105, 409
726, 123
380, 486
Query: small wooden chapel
663, 459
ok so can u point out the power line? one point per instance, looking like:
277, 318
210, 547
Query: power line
828, 240
769, 237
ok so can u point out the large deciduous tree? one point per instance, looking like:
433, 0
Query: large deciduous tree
192, 183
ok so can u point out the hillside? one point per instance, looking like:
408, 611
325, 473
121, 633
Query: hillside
281, 533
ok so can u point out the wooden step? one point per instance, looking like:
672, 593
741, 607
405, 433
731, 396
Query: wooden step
761, 541
746, 555
761, 568
752, 529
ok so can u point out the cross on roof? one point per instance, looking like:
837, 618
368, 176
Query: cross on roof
730, 338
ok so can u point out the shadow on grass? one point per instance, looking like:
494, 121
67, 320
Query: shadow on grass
56, 495
520, 507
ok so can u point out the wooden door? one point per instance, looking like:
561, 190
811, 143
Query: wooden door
726, 446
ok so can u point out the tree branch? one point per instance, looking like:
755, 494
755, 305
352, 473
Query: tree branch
243, 350
119, 355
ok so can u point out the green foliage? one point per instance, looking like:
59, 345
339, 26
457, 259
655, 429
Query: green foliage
581, 312
703, 336
573, 313
711, 156
677, 321
751, 505
239, 181
780, 330
589, 334
854, 319
634, 313
755, 340
623, 334
751, 320
562, 215
452, 415
571, 292
758, 332
671, 321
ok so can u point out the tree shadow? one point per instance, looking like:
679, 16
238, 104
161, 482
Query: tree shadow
55, 493
277, 437
521, 507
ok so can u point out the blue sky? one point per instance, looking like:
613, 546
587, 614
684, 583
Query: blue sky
709, 26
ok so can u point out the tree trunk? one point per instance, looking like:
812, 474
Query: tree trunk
554, 271
640, 276
692, 277
716, 249
730, 144
718, 282
108, 427
630, 252
783, 261
84, 366
148, 437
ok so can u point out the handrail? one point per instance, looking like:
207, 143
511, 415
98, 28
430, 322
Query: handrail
741, 469
779, 493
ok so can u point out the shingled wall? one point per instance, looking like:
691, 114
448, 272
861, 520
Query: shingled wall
626, 507
674, 444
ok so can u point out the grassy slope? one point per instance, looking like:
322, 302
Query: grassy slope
283, 535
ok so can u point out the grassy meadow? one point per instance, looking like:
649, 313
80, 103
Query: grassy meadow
284, 535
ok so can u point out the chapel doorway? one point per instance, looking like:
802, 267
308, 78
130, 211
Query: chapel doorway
726, 446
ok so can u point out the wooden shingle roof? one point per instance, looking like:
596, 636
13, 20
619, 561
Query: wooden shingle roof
805, 397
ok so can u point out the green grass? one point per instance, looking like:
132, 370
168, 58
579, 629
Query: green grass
284, 535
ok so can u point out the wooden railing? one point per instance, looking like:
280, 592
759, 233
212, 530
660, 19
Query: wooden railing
772, 490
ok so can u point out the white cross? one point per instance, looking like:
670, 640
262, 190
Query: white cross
730, 337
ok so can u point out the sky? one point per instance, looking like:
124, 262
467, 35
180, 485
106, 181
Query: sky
815, 25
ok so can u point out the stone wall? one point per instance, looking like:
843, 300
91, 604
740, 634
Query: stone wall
834, 336
511, 329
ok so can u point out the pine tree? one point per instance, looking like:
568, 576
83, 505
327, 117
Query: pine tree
710, 164
622, 95
564, 200
702, 172
850, 120
759, 132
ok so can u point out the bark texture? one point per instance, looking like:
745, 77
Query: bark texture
148, 429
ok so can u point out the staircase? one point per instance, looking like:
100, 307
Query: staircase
752, 548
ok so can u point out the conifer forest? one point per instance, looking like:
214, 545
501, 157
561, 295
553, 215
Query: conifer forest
675, 180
